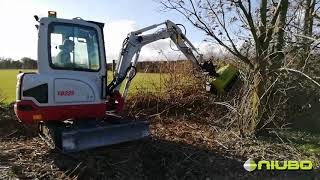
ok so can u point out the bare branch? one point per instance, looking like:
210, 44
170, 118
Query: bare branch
301, 73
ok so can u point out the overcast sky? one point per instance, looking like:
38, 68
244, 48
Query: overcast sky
18, 35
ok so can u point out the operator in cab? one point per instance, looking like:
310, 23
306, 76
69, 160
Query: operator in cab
63, 58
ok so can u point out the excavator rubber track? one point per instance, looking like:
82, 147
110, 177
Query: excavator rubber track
87, 134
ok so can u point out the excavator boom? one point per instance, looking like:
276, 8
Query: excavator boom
132, 45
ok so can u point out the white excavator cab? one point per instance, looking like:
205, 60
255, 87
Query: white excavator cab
71, 78
73, 49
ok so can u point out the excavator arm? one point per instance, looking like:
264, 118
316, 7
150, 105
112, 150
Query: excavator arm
129, 55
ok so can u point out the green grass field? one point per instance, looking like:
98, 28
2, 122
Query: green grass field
150, 81
8, 84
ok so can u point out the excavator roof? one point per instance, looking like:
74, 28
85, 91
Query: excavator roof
101, 25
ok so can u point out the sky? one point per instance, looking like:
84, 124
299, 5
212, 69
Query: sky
18, 35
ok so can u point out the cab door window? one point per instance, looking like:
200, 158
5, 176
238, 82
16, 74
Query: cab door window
74, 47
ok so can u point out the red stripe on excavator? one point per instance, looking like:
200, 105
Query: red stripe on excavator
28, 112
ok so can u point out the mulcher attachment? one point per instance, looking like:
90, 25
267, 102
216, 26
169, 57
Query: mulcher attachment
82, 135
224, 79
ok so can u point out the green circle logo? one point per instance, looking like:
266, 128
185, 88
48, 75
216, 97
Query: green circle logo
250, 165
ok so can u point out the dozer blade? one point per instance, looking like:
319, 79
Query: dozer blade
94, 133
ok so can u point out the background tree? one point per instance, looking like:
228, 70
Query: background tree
258, 33
24, 63
28, 63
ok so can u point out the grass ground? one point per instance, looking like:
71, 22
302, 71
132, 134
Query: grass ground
8, 83
151, 81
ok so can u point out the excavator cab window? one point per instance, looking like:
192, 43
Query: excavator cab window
74, 48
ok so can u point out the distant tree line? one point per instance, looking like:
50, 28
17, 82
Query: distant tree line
23, 63
160, 66
144, 66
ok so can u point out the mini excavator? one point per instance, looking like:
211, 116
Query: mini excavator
69, 97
